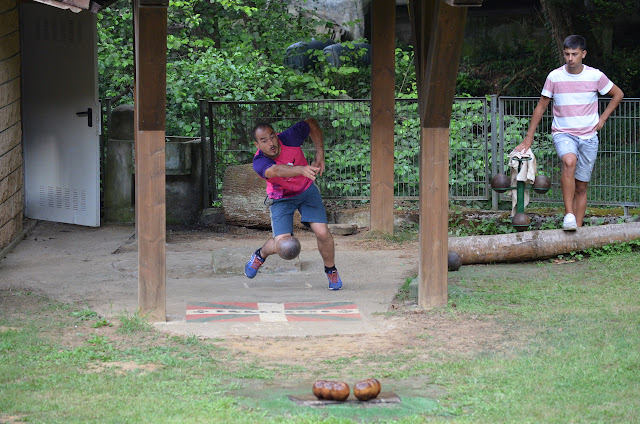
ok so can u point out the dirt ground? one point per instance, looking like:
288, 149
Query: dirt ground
403, 327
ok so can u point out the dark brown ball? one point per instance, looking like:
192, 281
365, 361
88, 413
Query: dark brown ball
340, 391
317, 388
454, 261
541, 184
364, 390
326, 390
288, 247
521, 221
376, 385
500, 183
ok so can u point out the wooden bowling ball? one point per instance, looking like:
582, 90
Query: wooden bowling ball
326, 390
454, 261
317, 388
541, 184
376, 385
364, 390
340, 391
500, 183
521, 221
288, 247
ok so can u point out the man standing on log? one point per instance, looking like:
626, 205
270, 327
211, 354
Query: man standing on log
574, 88
290, 187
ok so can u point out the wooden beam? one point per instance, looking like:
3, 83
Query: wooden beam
383, 37
438, 33
434, 217
540, 244
150, 49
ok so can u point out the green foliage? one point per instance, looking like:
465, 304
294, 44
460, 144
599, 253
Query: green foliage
84, 315
224, 50
133, 323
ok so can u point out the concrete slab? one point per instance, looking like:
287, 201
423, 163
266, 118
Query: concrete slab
96, 268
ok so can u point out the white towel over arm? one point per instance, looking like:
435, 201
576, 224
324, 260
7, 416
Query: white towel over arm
527, 174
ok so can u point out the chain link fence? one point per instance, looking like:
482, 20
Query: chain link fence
478, 148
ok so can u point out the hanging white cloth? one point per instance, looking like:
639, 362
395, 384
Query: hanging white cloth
527, 174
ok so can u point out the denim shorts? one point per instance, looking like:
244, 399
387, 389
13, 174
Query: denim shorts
585, 149
310, 205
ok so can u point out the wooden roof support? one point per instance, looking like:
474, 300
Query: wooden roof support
438, 30
383, 77
150, 49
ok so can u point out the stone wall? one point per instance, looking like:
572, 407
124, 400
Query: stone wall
11, 172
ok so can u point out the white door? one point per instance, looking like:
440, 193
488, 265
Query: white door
60, 115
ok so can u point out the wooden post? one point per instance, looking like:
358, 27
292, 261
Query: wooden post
383, 37
438, 30
150, 49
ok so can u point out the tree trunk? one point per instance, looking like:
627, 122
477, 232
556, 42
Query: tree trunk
243, 199
542, 244
560, 22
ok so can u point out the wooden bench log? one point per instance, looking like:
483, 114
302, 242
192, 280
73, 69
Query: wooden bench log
243, 196
540, 244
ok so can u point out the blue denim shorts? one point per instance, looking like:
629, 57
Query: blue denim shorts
310, 205
586, 150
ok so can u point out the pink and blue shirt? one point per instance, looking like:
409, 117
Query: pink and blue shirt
575, 99
290, 154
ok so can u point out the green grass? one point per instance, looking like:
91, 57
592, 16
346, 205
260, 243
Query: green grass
570, 353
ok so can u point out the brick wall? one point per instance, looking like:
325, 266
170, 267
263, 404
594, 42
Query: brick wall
11, 173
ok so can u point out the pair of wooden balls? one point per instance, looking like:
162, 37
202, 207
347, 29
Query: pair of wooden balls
331, 390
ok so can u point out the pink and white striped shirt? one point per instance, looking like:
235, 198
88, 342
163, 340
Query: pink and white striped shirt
575, 99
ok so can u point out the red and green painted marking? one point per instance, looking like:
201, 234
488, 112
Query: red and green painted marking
271, 312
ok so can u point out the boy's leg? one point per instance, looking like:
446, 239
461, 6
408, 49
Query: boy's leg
588, 152
580, 201
567, 149
568, 181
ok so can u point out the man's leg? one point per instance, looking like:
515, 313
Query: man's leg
326, 246
269, 248
580, 201
282, 226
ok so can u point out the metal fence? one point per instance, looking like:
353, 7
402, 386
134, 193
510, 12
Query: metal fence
478, 148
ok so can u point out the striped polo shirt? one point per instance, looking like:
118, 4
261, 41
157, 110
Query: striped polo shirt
575, 99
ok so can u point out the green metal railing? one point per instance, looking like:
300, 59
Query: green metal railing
478, 148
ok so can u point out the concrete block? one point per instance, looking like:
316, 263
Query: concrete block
178, 157
122, 123
343, 229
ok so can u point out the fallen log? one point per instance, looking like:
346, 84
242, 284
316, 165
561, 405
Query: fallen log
243, 199
540, 244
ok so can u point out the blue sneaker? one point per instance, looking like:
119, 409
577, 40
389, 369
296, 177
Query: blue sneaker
335, 283
251, 268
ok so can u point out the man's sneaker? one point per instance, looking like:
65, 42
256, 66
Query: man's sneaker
335, 283
251, 268
569, 222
